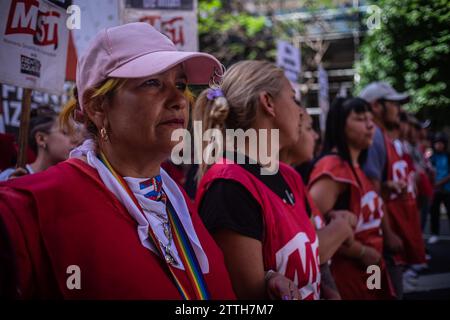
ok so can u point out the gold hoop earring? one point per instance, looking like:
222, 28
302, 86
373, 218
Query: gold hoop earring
103, 134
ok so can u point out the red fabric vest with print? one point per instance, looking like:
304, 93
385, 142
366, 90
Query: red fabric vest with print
402, 209
66, 217
349, 273
290, 244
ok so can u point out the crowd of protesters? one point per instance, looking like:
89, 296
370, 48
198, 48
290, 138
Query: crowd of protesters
117, 208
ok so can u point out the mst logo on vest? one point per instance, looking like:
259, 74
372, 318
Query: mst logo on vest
26, 18
299, 260
371, 212
400, 172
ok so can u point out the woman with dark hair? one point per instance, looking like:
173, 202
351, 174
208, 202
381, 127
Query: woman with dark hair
47, 139
338, 183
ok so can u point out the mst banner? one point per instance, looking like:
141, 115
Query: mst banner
176, 19
33, 44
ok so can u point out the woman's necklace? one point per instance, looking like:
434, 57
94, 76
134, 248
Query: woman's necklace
168, 255
167, 247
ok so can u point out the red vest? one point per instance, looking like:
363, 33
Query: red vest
319, 221
350, 275
66, 216
402, 209
290, 244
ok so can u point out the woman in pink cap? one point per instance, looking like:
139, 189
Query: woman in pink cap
109, 223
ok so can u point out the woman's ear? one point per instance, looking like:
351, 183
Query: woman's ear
41, 139
96, 113
267, 103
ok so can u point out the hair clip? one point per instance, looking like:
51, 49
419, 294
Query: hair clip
214, 93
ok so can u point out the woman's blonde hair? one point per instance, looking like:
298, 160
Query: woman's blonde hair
241, 86
98, 96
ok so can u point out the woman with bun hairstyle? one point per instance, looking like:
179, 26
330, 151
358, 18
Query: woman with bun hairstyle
257, 215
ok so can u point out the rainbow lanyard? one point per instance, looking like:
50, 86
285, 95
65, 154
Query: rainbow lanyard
180, 239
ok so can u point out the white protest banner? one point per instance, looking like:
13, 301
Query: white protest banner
33, 44
324, 103
289, 59
92, 22
172, 18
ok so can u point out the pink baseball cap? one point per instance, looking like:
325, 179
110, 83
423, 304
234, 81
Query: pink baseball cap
136, 50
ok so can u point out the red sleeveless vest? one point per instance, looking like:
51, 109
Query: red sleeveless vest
319, 221
350, 275
66, 217
290, 244
403, 212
